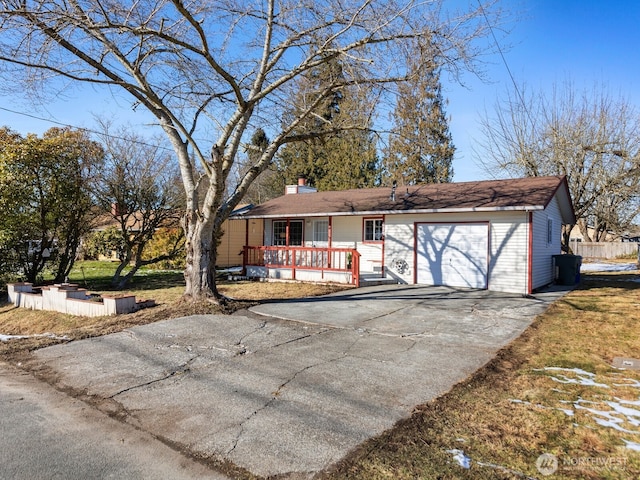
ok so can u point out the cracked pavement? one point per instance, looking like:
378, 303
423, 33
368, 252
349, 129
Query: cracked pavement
289, 388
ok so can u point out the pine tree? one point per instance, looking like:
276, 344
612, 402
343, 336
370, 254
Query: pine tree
268, 184
343, 152
420, 148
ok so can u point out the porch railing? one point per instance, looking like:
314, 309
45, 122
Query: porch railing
305, 258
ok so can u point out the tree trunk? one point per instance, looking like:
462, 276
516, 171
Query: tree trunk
584, 230
115, 281
566, 238
199, 273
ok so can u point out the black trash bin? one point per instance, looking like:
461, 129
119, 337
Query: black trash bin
568, 268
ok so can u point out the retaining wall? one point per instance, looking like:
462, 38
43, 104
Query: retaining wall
68, 298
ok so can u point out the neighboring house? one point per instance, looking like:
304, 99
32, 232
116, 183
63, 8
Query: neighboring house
632, 235
577, 236
235, 235
498, 235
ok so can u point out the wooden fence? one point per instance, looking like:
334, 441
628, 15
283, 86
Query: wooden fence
604, 250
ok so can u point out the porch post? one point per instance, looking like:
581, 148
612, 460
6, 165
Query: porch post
355, 268
330, 241
245, 258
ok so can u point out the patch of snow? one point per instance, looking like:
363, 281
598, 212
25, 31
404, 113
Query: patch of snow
460, 457
584, 378
613, 418
6, 338
628, 402
608, 267
632, 445
566, 411
620, 414
633, 415
465, 462
632, 383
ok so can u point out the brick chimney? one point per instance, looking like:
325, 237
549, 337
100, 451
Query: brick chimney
301, 187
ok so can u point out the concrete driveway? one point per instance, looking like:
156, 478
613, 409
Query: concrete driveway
292, 387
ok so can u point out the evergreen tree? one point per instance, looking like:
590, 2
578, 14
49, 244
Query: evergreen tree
268, 184
46, 199
336, 150
420, 147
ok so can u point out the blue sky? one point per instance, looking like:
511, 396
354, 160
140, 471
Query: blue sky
587, 42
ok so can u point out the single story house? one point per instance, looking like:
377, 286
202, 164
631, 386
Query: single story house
497, 234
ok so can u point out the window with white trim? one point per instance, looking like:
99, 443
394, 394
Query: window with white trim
321, 231
373, 230
280, 229
280, 233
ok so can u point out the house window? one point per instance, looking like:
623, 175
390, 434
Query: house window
321, 231
280, 230
295, 232
549, 231
373, 229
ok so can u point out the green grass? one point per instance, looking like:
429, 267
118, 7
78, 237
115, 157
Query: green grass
96, 275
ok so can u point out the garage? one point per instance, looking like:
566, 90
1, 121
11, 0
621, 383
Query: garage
452, 254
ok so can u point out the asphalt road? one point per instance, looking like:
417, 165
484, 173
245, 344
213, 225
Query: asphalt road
46, 434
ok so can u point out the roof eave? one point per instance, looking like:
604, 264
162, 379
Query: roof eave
520, 208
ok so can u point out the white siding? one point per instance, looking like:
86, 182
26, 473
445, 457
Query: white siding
508, 268
507, 244
347, 233
542, 250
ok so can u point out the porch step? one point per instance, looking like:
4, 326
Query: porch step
370, 280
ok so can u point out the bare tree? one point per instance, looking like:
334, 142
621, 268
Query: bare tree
139, 187
592, 138
213, 72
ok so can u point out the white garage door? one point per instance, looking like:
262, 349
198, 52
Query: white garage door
455, 255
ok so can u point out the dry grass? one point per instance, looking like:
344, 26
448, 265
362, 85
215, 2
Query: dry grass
514, 409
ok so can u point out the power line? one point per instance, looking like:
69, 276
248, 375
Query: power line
504, 61
88, 130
